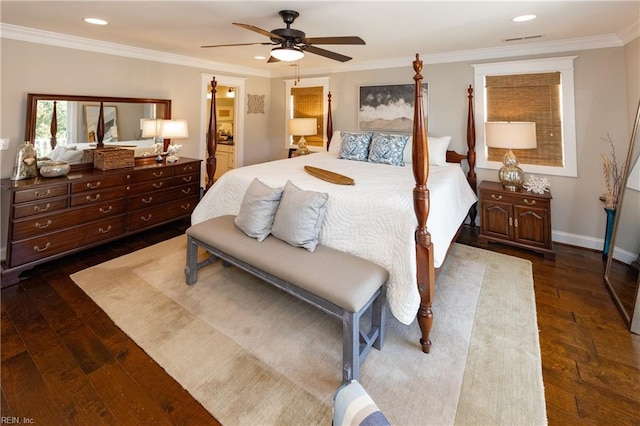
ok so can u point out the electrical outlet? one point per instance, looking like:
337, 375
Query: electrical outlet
4, 144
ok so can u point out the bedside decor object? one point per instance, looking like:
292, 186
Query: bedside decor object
54, 168
173, 129
537, 185
151, 128
26, 165
614, 172
303, 127
510, 135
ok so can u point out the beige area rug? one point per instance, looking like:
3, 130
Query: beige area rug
254, 355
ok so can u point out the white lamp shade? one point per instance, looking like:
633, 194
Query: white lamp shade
510, 134
151, 127
303, 126
287, 54
174, 129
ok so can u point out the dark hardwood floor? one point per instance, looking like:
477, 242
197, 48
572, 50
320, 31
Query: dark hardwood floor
65, 362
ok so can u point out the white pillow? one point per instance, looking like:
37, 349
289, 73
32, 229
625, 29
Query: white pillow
71, 155
437, 150
299, 216
258, 210
336, 143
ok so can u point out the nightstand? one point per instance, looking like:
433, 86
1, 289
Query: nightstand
519, 218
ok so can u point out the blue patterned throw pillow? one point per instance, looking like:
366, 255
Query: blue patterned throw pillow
387, 149
355, 146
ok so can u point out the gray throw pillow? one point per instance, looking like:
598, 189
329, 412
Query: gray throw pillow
299, 216
258, 209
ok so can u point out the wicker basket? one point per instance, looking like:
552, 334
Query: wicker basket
112, 158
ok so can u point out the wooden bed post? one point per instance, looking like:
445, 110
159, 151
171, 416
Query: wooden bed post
424, 247
212, 136
471, 155
329, 122
54, 126
100, 126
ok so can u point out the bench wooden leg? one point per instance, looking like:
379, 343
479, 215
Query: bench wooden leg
379, 317
350, 346
191, 270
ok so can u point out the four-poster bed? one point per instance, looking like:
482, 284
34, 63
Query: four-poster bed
408, 249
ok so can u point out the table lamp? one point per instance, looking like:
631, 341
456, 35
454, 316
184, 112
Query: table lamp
510, 135
174, 129
303, 127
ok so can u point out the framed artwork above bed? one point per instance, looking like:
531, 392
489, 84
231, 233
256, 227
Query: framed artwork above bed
389, 107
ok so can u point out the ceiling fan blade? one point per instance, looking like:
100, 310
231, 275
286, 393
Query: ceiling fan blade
272, 59
259, 31
237, 44
326, 53
334, 40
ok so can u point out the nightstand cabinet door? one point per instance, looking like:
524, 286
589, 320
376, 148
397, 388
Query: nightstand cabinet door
518, 218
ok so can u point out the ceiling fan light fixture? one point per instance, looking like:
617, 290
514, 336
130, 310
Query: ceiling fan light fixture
287, 54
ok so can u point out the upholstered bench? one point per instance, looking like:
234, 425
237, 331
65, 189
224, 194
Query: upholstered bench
338, 283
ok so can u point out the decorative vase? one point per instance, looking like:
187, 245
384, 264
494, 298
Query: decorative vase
26, 165
611, 216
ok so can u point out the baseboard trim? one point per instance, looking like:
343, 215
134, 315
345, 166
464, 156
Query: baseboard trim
592, 244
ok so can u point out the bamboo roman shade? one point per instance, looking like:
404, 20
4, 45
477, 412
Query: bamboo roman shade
308, 103
528, 97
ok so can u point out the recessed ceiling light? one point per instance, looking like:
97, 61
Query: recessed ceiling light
259, 57
95, 21
524, 18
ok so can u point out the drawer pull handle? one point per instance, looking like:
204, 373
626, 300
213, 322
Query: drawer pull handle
529, 202
510, 221
97, 197
97, 185
36, 248
186, 190
147, 200
158, 174
104, 231
187, 179
185, 207
38, 194
496, 197
107, 210
158, 185
46, 225
187, 168
146, 219
40, 209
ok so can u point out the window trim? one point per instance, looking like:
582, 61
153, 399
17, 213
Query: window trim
307, 82
569, 141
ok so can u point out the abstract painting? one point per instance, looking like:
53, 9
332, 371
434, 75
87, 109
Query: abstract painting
389, 107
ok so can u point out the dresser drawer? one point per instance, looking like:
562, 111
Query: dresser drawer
44, 224
42, 192
159, 197
97, 196
150, 185
152, 174
99, 183
184, 179
45, 206
187, 168
40, 247
163, 213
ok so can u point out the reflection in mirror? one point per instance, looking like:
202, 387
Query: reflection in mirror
621, 273
74, 127
91, 114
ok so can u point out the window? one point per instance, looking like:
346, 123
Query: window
307, 99
539, 90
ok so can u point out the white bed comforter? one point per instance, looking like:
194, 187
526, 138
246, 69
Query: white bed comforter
374, 219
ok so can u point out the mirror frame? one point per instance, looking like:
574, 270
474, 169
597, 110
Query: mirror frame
32, 110
632, 319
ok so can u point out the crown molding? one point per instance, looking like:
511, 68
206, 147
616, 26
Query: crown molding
505, 50
72, 42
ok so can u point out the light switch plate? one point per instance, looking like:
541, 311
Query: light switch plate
4, 144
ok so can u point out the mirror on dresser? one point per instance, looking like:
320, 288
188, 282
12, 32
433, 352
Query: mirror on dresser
621, 272
76, 122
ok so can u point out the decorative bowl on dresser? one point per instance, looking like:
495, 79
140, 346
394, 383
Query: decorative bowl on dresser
47, 218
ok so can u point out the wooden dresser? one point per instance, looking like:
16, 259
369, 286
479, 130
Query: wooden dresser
46, 218
519, 218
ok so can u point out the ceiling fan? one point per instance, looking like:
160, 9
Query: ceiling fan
293, 43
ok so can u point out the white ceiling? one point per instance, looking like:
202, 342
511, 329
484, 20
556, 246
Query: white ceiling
394, 31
